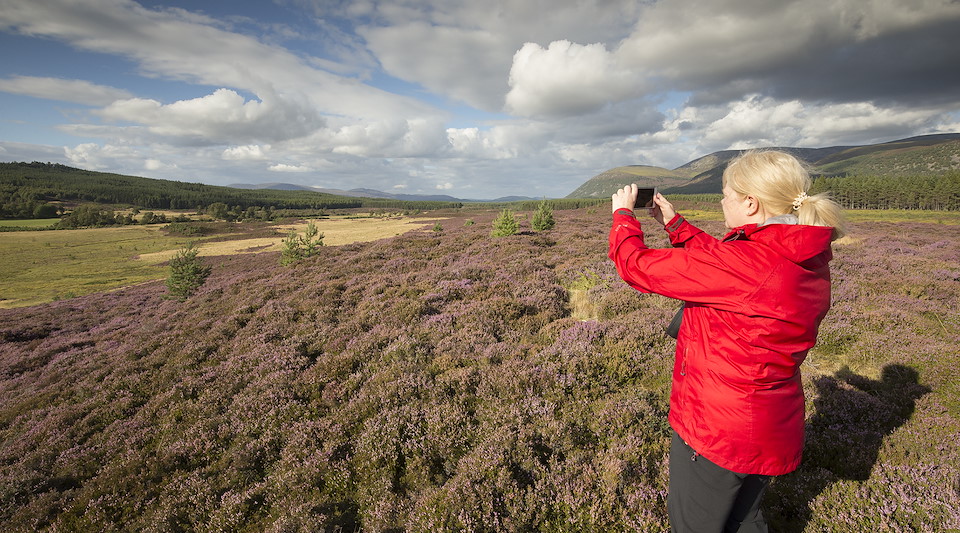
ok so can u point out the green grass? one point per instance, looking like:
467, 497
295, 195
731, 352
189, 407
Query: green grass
40, 266
39, 223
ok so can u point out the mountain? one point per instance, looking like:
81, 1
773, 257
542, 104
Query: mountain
925, 154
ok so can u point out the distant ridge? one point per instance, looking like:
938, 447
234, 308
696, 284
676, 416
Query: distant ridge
372, 193
920, 155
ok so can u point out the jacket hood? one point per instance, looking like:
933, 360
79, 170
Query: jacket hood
795, 242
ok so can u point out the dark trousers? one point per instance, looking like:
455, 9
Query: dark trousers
705, 497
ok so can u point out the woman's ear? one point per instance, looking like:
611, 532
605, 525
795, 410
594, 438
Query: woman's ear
753, 206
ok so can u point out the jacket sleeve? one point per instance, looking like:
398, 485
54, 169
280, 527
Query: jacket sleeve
704, 270
685, 235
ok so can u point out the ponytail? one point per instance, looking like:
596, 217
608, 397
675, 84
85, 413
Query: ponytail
820, 210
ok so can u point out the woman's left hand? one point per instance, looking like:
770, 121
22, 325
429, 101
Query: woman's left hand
625, 198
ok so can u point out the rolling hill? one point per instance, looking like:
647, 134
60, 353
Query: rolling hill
923, 155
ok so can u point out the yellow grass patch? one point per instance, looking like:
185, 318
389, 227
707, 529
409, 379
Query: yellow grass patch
335, 232
40, 266
581, 306
847, 239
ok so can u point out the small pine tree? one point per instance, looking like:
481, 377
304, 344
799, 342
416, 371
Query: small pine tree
505, 224
543, 217
187, 273
297, 247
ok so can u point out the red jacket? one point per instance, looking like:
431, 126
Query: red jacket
754, 301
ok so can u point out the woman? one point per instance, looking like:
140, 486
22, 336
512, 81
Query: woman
753, 303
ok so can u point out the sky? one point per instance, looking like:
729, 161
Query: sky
472, 99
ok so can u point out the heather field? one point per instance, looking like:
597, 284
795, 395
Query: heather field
450, 381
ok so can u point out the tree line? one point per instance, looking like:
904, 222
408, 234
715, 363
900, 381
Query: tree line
937, 193
35, 190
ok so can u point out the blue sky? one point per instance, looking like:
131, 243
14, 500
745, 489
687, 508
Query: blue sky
471, 99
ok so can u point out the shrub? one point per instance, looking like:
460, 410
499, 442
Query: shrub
505, 224
187, 273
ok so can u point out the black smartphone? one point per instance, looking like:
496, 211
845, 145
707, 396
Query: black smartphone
645, 198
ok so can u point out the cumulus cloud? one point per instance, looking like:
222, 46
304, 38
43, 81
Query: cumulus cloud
463, 49
283, 167
763, 121
567, 79
221, 117
96, 157
250, 152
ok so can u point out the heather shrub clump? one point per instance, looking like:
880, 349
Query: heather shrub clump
441, 381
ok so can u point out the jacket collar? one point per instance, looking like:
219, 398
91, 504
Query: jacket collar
792, 240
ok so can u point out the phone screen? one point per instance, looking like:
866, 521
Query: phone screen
644, 197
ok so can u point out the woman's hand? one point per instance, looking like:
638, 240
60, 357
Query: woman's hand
663, 210
625, 198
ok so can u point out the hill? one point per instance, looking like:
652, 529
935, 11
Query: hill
26, 186
915, 156
606, 183
373, 193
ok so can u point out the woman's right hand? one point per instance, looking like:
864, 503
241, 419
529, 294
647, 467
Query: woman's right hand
664, 211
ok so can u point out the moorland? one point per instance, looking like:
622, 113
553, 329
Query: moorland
419, 374
445, 380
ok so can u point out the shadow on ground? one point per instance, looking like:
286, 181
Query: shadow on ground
853, 415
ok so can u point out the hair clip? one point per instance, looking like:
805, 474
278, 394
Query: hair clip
798, 201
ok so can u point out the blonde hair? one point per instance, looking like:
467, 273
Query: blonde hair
780, 182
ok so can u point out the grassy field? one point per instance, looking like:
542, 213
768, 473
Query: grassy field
42, 266
39, 223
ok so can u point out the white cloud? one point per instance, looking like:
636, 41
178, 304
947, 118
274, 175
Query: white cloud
567, 79
283, 167
250, 152
76, 91
221, 117
762, 121
97, 157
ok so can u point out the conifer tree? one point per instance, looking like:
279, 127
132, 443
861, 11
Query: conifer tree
187, 273
505, 224
543, 217
297, 247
